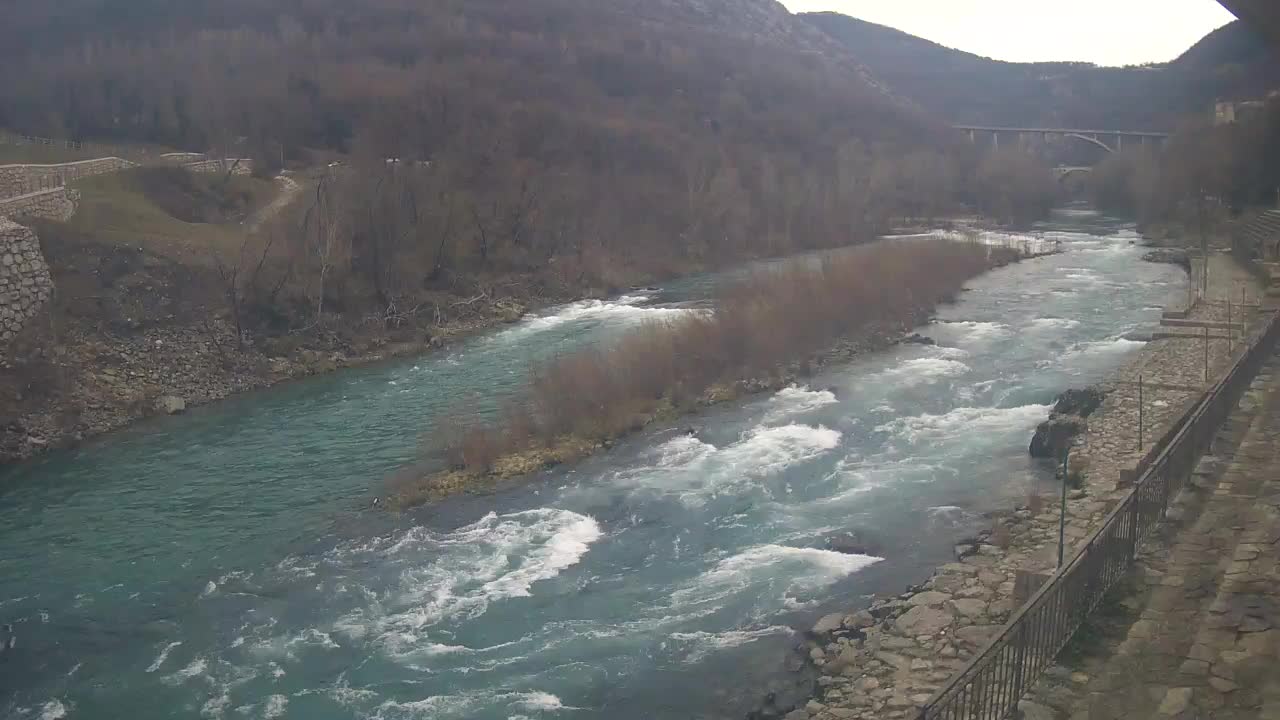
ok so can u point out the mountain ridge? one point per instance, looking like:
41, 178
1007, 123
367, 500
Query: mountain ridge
1230, 63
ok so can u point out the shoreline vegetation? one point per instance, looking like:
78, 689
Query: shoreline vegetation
766, 331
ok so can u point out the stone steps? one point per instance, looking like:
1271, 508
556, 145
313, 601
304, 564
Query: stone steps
1212, 324
1262, 232
1189, 334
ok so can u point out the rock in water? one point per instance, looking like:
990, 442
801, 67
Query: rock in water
853, 543
171, 404
1055, 435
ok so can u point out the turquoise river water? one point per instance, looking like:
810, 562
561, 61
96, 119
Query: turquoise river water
226, 563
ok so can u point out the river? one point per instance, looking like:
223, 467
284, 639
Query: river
225, 563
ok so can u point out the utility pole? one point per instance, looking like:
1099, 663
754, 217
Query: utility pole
1206, 356
1231, 335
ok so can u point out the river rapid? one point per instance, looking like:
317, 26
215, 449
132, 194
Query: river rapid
225, 563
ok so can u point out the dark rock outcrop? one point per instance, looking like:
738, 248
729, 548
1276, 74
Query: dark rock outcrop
918, 339
1170, 256
1055, 435
853, 543
1079, 402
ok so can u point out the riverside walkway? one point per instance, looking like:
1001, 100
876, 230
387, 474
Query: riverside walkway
893, 660
1195, 634
1198, 633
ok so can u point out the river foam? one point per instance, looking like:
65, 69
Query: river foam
696, 646
795, 569
796, 400
962, 421
628, 308
497, 558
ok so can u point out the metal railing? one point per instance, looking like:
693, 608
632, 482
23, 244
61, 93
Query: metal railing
991, 684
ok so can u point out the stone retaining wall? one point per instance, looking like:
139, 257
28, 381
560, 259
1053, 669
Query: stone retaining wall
25, 179
25, 282
183, 157
238, 166
56, 204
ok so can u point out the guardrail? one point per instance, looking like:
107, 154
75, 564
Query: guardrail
990, 686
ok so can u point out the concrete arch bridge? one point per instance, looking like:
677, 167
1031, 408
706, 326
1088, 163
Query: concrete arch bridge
1109, 140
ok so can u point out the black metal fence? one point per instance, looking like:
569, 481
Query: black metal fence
990, 686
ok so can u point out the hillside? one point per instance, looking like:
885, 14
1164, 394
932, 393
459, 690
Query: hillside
1230, 63
461, 160
617, 106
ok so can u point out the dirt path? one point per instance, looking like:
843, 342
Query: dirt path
290, 189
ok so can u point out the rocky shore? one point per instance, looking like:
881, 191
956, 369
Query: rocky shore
92, 382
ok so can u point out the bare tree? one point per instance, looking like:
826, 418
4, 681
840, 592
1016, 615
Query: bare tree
324, 230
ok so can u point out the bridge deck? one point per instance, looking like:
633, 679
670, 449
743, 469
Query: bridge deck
1065, 131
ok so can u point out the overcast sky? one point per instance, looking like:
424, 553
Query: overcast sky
1106, 32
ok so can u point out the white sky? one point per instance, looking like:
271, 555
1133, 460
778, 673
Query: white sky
1106, 32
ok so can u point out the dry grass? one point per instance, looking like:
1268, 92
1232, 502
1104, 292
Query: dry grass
119, 208
762, 324
1035, 503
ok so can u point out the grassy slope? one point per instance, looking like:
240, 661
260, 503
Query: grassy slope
129, 208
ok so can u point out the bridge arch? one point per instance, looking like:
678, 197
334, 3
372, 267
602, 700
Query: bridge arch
1092, 140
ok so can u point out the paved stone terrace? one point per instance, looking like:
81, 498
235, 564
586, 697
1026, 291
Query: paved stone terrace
1201, 636
1173, 375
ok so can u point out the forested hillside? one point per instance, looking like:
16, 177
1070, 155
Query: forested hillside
650, 134
1231, 63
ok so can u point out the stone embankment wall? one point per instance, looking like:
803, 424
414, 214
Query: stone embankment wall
25, 179
183, 157
237, 166
56, 204
25, 282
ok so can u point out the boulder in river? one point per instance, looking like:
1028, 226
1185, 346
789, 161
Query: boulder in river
853, 543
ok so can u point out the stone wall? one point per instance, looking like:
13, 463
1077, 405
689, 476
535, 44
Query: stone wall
183, 157
238, 166
56, 204
25, 179
25, 283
